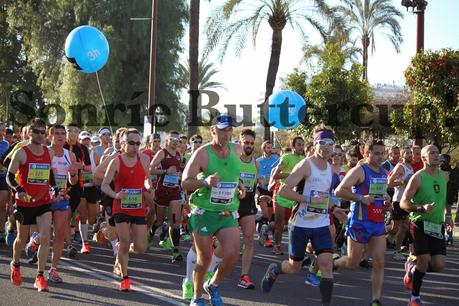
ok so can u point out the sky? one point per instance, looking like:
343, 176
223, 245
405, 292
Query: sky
244, 77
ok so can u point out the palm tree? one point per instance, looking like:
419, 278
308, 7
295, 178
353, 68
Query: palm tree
206, 71
337, 33
367, 17
237, 19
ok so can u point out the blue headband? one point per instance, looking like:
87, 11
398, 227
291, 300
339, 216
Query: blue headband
324, 134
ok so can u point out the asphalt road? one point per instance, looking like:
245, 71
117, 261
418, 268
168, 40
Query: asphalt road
88, 280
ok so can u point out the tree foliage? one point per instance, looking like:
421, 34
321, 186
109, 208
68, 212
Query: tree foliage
43, 27
433, 112
367, 17
333, 94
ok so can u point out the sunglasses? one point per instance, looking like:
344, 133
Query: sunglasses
249, 142
73, 130
174, 139
197, 141
324, 142
38, 131
134, 143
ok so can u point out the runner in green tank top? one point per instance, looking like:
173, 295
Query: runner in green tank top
247, 209
212, 174
425, 199
286, 165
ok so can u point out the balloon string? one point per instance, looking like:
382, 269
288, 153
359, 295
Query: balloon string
105, 105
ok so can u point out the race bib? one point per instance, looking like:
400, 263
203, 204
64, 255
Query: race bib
61, 180
378, 187
433, 229
319, 202
223, 193
375, 213
171, 180
133, 200
88, 177
248, 179
38, 174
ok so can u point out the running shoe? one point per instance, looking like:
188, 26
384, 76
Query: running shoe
166, 244
100, 237
72, 251
198, 302
31, 248
365, 264
375, 303
209, 276
10, 237
245, 282
212, 291
77, 238
15, 276
278, 250
177, 257
312, 280
85, 248
41, 284
263, 234
399, 256
408, 278
125, 285
53, 276
415, 302
268, 243
269, 278
187, 290
117, 269
34, 259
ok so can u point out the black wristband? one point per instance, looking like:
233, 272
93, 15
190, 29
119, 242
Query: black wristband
19, 189
421, 209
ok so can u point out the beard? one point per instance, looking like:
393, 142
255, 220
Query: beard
248, 151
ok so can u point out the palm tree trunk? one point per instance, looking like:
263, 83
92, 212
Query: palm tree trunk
193, 58
365, 45
276, 46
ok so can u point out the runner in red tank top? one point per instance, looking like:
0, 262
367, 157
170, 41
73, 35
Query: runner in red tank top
129, 171
33, 164
166, 164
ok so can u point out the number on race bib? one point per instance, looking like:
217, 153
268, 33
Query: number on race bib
223, 193
133, 199
38, 174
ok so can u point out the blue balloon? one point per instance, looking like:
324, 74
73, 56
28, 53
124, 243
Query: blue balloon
286, 109
87, 49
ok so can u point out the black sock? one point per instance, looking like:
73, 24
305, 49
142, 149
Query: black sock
176, 236
417, 282
153, 229
326, 290
40, 273
125, 277
16, 264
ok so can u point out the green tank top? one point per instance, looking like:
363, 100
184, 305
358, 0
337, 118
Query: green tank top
249, 175
290, 161
432, 189
222, 197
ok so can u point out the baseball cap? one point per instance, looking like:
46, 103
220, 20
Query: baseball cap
104, 130
84, 135
156, 136
225, 121
95, 139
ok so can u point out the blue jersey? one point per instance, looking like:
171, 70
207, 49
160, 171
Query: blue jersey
266, 165
375, 184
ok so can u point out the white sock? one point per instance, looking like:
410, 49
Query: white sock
114, 248
190, 263
414, 297
215, 262
84, 231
